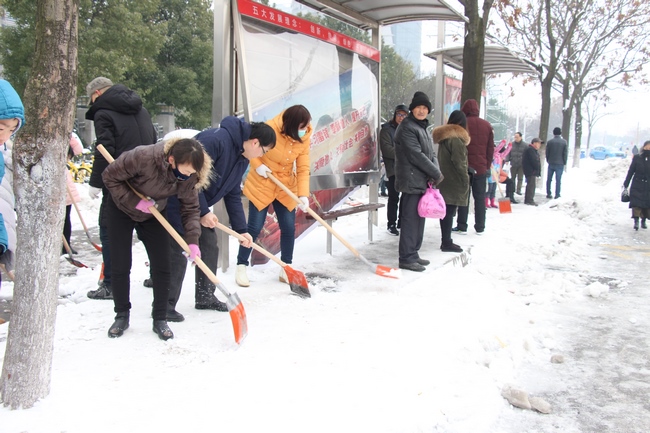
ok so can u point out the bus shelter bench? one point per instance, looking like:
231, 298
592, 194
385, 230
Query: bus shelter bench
332, 216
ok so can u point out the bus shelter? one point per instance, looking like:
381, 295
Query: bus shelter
266, 60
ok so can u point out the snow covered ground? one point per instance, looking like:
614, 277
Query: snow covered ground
430, 352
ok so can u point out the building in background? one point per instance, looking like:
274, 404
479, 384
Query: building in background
406, 40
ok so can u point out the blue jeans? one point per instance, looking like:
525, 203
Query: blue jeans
286, 220
558, 169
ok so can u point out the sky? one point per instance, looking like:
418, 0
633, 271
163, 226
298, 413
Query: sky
428, 352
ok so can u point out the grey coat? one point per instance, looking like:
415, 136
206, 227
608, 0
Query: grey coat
415, 159
517, 153
557, 151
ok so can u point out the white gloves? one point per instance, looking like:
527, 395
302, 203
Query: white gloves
94, 192
262, 170
305, 203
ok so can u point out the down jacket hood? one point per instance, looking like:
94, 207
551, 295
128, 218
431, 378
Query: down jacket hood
204, 175
470, 108
11, 107
445, 132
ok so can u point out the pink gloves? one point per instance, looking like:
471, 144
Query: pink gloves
194, 252
144, 205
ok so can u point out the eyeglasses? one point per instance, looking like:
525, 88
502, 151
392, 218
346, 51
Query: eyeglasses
401, 115
263, 150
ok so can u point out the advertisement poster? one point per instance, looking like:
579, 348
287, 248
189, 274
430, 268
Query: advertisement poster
290, 60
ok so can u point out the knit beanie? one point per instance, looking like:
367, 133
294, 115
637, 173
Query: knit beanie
420, 98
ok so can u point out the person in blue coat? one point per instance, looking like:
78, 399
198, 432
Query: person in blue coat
12, 117
230, 146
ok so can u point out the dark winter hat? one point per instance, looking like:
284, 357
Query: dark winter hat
420, 98
557, 131
402, 107
98, 83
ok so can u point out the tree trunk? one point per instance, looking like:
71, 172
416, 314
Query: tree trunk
39, 184
474, 49
578, 132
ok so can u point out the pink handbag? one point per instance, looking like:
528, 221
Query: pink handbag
431, 204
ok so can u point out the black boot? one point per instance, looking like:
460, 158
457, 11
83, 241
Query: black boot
636, 223
643, 225
161, 328
120, 325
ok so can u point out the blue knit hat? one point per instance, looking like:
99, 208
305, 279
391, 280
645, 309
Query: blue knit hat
11, 107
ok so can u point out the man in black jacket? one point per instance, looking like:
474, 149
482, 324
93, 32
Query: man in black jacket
557, 154
386, 137
532, 169
121, 124
416, 164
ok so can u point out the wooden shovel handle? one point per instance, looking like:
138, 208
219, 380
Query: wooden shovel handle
313, 213
254, 245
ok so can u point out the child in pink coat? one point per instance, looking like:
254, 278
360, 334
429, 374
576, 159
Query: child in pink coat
76, 148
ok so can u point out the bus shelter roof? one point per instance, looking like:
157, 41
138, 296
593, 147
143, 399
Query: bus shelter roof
368, 14
497, 60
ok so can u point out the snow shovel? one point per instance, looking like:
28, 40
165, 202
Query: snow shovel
235, 307
297, 280
69, 258
504, 202
83, 223
383, 271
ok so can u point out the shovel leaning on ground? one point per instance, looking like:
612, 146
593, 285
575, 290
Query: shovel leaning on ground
69, 258
297, 281
235, 306
83, 223
504, 202
383, 271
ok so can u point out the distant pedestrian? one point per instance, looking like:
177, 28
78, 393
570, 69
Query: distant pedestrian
72, 194
532, 169
557, 154
386, 137
480, 152
514, 158
415, 166
635, 150
452, 140
639, 174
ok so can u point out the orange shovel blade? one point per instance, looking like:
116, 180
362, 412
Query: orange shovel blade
297, 282
238, 317
388, 272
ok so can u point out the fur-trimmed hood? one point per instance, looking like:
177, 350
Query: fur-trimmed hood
204, 175
445, 132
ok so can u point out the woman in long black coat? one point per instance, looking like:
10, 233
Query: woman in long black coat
639, 174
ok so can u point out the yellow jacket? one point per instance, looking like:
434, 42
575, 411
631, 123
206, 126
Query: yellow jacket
288, 162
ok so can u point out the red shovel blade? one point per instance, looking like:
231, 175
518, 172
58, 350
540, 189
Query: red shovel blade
388, 272
297, 282
238, 317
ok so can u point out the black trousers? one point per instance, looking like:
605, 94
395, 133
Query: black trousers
67, 225
530, 189
478, 192
203, 288
412, 231
156, 241
447, 223
393, 202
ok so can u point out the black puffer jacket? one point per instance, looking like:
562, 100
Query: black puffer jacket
121, 124
530, 162
415, 159
639, 174
516, 153
386, 138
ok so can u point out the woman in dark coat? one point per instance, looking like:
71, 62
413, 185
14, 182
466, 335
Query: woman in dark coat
452, 140
639, 174
175, 167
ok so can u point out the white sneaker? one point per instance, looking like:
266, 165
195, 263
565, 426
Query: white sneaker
240, 276
283, 276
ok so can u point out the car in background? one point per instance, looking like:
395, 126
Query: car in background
601, 152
